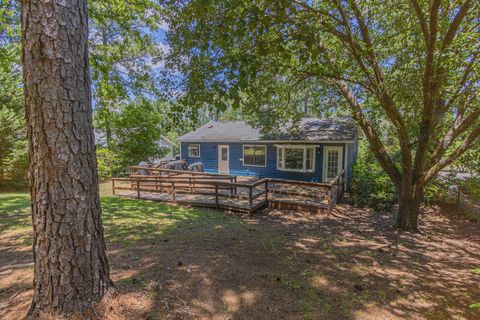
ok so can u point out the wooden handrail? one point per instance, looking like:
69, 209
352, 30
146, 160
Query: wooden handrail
337, 178
334, 190
141, 176
193, 173
185, 180
245, 185
303, 183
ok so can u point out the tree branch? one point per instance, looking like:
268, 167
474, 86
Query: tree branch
421, 20
452, 30
316, 11
381, 89
460, 125
465, 145
372, 135
430, 90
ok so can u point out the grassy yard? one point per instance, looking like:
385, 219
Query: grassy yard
172, 262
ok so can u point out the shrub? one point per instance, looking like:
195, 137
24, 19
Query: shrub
437, 192
370, 185
136, 132
108, 164
471, 187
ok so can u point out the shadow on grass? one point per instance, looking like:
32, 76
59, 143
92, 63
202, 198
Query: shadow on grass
189, 263
15, 223
127, 221
14, 211
343, 266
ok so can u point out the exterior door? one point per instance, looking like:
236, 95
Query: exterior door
332, 162
223, 159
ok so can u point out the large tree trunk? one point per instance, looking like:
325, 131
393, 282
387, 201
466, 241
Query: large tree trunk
409, 207
71, 269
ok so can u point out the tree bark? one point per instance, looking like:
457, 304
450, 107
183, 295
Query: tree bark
71, 269
409, 207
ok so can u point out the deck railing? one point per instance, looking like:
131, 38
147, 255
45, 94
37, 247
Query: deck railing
225, 192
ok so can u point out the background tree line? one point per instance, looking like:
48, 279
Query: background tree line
251, 66
125, 53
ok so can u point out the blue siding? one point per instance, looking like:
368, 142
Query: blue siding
351, 157
209, 157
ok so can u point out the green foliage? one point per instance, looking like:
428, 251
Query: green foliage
436, 192
10, 68
471, 187
108, 164
470, 161
407, 74
370, 185
123, 52
136, 130
13, 150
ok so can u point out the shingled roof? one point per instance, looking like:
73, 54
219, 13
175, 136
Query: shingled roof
308, 130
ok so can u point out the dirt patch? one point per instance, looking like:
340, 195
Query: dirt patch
282, 265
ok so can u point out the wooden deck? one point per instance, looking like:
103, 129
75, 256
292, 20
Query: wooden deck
228, 192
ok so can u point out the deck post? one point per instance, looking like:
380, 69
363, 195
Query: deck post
113, 186
329, 199
216, 196
138, 189
231, 186
250, 198
173, 192
190, 184
266, 191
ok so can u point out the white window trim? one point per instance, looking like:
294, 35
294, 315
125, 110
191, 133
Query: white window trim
254, 145
189, 146
301, 146
340, 159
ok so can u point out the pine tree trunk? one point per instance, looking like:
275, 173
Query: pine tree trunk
71, 268
409, 208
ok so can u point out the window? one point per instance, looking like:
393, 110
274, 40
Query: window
294, 159
224, 154
300, 158
310, 158
194, 150
332, 162
255, 156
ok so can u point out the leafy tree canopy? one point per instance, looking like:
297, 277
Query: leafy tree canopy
136, 130
10, 67
408, 71
13, 158
123, 53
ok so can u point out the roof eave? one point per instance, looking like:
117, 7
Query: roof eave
264, 141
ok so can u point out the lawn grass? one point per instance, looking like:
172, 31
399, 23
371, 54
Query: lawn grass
14, 213
129, 220
125, 220
173, 262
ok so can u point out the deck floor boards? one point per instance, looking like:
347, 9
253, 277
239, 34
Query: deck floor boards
207, 198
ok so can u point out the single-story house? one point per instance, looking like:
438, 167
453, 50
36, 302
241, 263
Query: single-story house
316, 150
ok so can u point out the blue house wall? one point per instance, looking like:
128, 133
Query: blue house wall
209, 157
